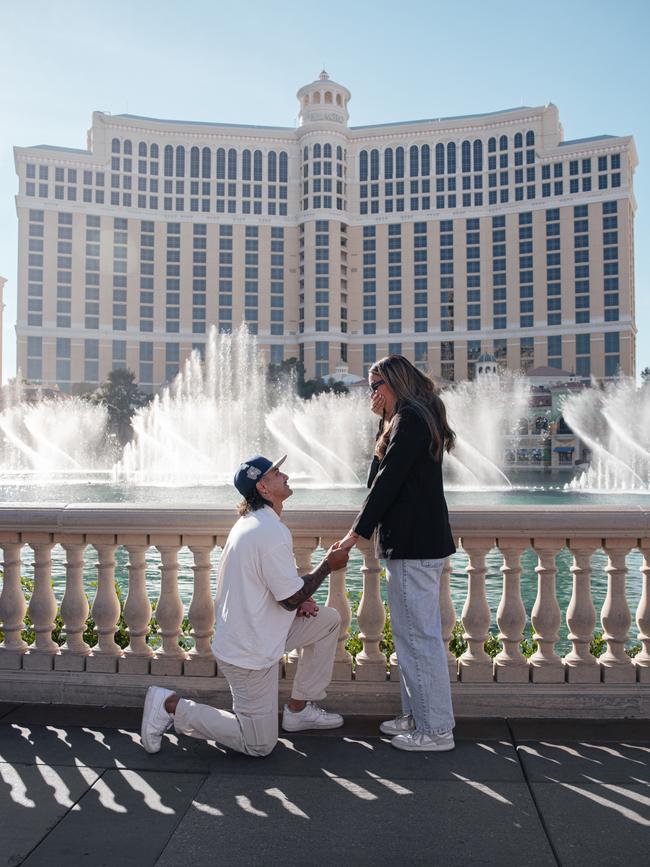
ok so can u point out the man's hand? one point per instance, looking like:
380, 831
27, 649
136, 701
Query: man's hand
337, 557
308, 608
347, 542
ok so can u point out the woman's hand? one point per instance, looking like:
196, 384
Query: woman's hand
378, 403
347, 542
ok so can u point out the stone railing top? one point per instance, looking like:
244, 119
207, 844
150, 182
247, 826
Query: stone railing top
528, 522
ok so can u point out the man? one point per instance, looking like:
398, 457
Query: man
263, 608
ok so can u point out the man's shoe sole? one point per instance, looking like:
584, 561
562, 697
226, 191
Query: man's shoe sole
430, 748
313, 728
148, 701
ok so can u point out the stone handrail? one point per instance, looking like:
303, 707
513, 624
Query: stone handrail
512, 530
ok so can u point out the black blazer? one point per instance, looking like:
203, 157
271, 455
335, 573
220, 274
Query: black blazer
406, 502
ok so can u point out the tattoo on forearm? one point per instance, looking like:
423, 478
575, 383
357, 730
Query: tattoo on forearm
311, 583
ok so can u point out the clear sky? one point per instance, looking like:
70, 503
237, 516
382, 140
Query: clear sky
243, 62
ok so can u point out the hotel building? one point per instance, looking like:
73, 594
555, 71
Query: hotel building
441, 239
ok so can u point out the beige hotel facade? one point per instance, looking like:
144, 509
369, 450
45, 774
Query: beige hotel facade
441, 239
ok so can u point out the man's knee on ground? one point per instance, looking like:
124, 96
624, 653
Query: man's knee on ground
261, 750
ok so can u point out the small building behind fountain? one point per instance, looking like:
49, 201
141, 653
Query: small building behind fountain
443, 239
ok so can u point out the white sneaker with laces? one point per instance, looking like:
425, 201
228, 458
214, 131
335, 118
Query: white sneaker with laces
397, 726
422, 742
310, 717
155, 719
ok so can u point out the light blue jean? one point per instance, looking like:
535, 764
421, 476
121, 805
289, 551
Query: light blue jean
414, 600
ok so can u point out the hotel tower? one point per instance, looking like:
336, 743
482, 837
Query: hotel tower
441, 239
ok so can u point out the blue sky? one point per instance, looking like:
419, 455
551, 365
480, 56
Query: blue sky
243, 63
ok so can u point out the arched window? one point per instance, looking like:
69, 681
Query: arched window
503, 143
388, 163
492, 146
169, 161
339, 152
466, 157
115, 146
284, 167
440, 159
194, 162
519, 140
305, 100
257, 166
142, 149
338, 99
272, 167
305, 153
221, 164
478, 155
530, 138
317, 97
246, 165
451, 158
128, 146
399, 162
180, 161
414, 161
232, 164
206, 163
374, 164
363, 166
327, 151
328, 97
153, 151
425, 160
317, 151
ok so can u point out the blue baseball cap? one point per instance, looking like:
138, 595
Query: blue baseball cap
251, 471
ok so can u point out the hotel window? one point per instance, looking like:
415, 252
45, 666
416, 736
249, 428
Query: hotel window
91, 360
118, 356
64, 273
35, 273
92, 272
554, 350
612, 353
610, 269
526, 352
369, 357
63, 362
35, 359
473, 354
172, 281
583, 355
421, 356
322, 349
146, 365
447, 360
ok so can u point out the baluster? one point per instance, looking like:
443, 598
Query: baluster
642, 659
337, 598
302, 550
170, 657
371, 662
448, 618
581, 666
615, 664
546, 665
137, 608
74, 607
510, 665
12, 605
475, 666
42, 606
201, 660
105, 609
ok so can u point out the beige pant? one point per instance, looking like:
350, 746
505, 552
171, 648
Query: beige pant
252, 728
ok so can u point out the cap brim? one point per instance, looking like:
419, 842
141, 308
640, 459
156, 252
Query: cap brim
277, 464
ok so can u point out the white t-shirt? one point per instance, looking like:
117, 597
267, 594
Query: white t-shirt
257, 569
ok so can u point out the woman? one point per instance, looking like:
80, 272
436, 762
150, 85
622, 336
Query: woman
406, 505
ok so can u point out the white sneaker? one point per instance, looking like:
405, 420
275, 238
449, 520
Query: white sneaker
155, 719
420, 741
397, 726
310, 717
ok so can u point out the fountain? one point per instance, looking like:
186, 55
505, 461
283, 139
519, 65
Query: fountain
614, 423
196, 432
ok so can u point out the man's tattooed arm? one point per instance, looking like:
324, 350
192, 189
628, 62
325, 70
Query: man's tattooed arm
311, 583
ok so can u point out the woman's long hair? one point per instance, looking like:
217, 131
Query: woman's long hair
413, 388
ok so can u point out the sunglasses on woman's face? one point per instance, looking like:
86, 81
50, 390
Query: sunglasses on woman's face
372, 388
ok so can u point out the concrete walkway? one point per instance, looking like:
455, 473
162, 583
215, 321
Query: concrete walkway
76, 788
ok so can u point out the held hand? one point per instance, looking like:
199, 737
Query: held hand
377, 403
347, 542
337, 557
307, 609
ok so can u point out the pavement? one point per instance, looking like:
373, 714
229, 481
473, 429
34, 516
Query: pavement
76, 788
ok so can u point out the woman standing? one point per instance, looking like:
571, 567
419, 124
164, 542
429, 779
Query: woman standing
406, 505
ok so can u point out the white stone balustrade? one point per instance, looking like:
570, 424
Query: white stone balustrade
479, 682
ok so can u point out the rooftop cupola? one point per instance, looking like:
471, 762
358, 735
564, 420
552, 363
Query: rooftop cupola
323, 101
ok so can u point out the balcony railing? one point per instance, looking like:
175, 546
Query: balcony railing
578, 682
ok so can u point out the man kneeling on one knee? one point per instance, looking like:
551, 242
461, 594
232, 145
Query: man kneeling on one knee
263, 609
